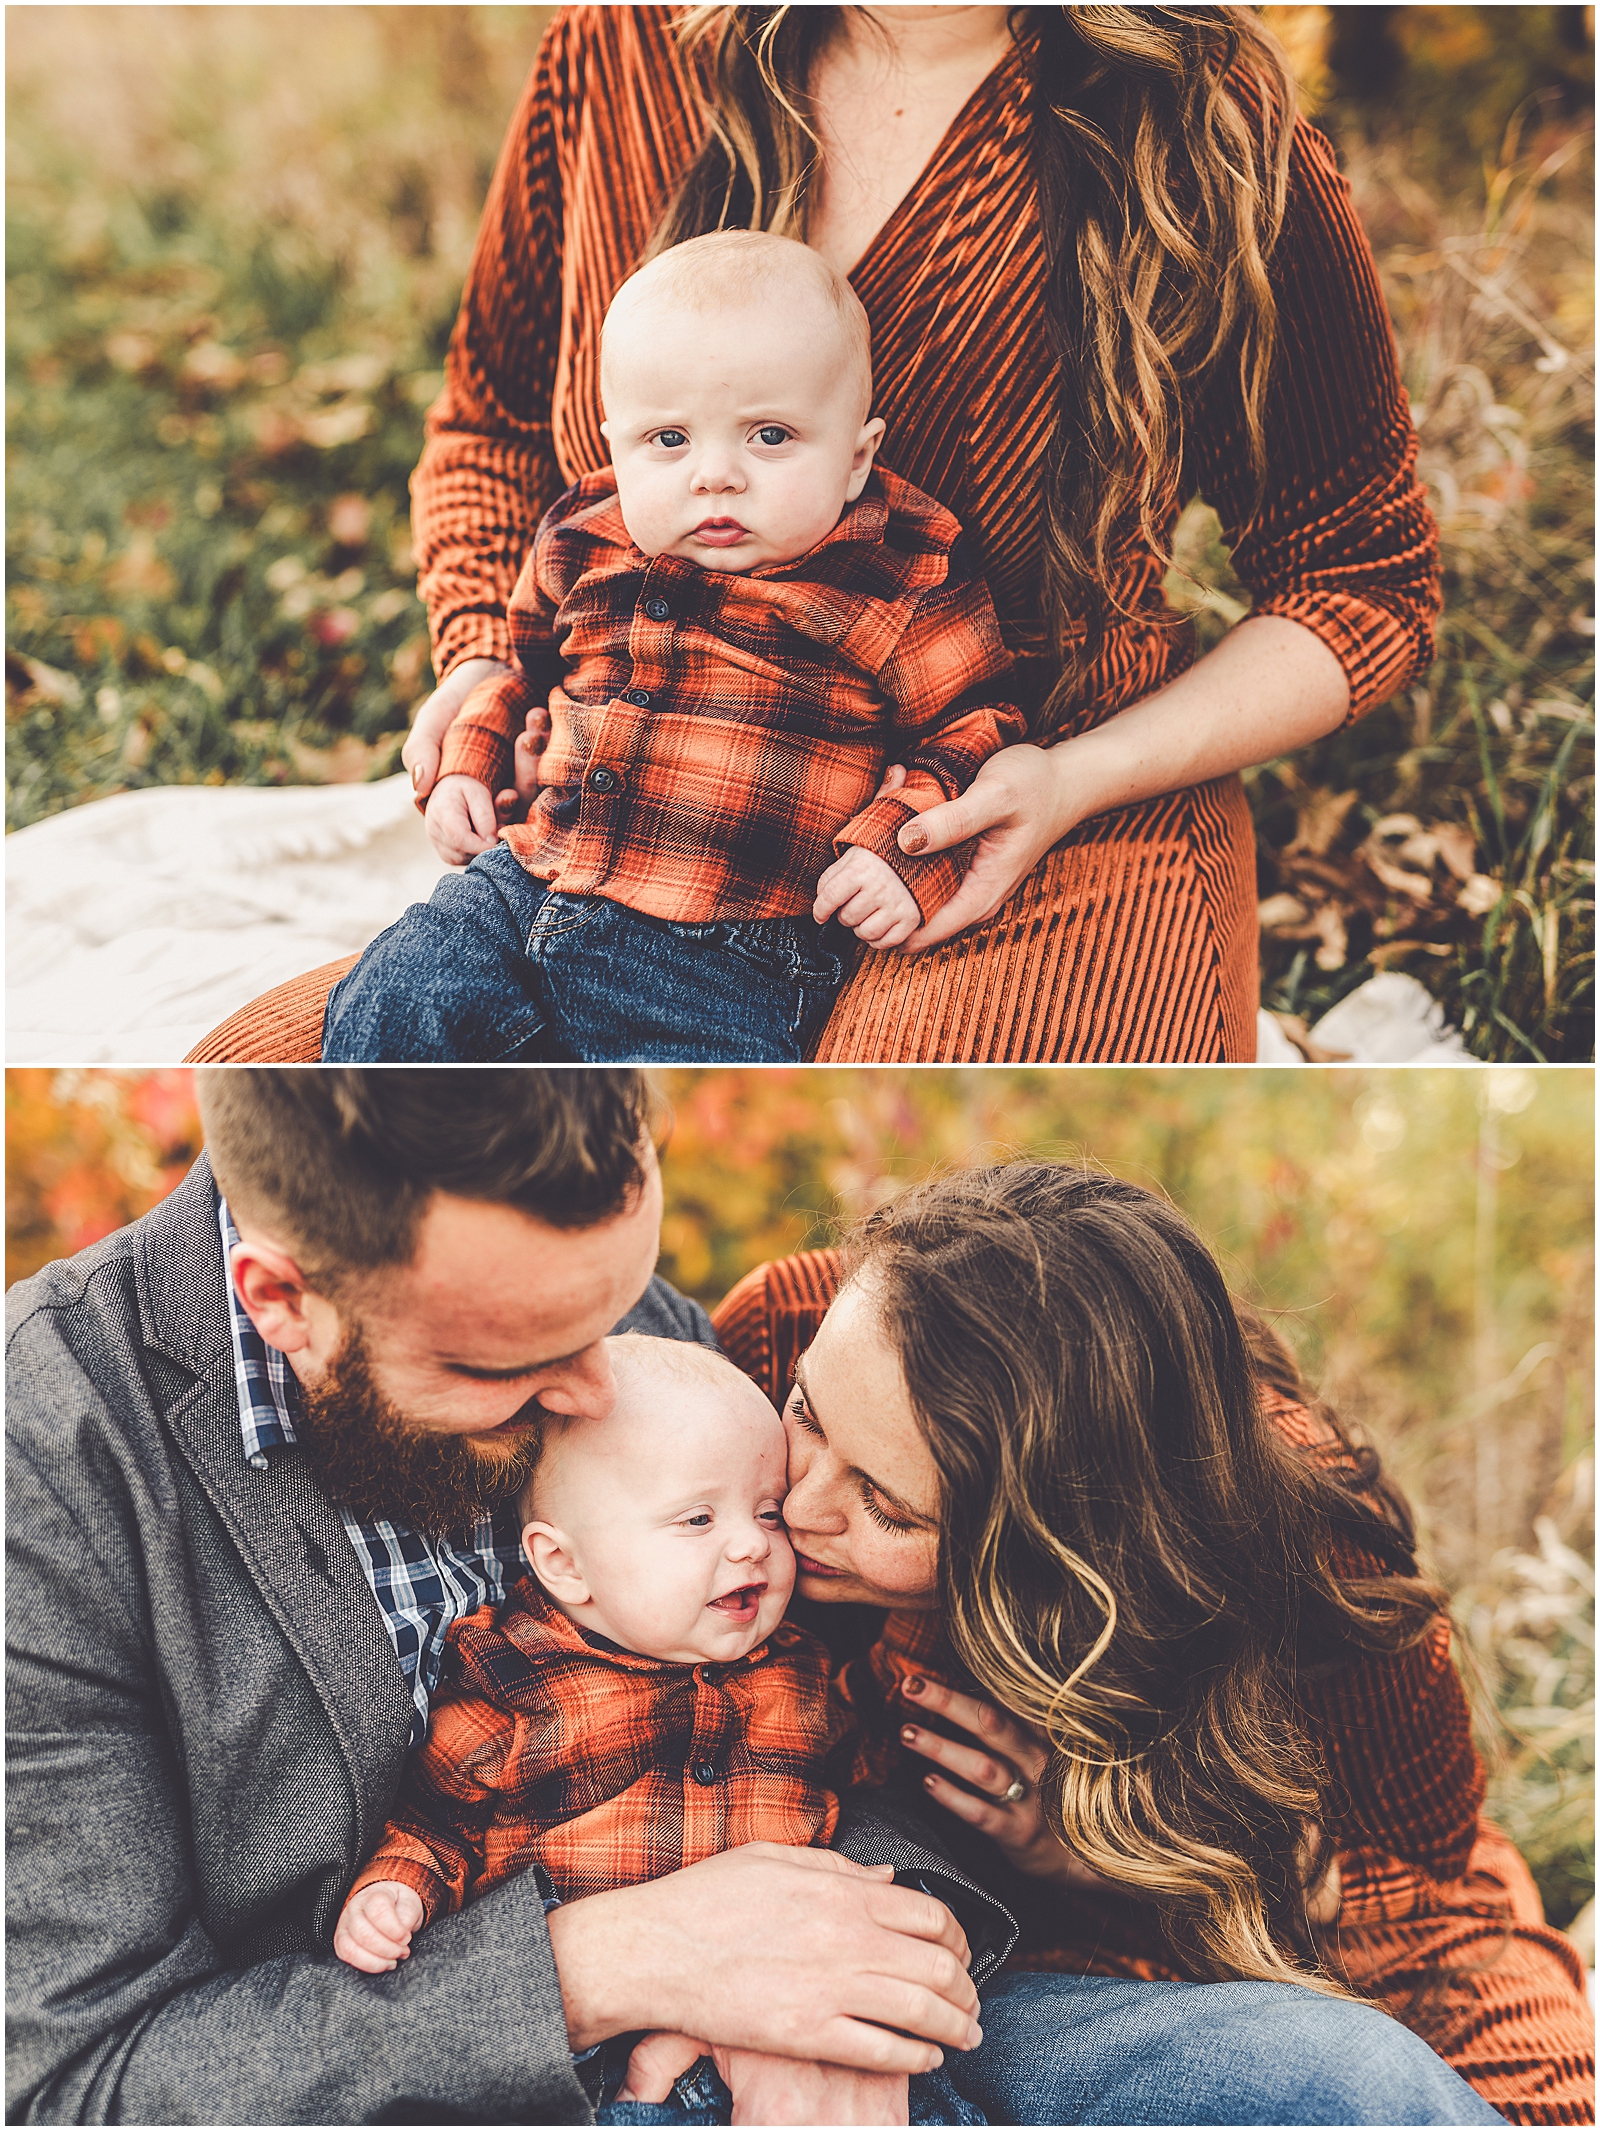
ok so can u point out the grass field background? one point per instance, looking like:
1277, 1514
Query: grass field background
1424, 1239
235, 243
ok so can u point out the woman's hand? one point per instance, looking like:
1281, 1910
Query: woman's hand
435, 714
1006, 1769
1016, 810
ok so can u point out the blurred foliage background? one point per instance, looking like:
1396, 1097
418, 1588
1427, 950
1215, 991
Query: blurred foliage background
235, 241
1424, 1239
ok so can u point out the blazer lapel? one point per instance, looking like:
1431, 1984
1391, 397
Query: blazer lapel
290, 1538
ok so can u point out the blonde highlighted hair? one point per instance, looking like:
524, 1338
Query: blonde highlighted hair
1131, 1557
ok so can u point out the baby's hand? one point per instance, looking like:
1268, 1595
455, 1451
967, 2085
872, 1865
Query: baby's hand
866, 894
513, 803
461, 819
375, 1926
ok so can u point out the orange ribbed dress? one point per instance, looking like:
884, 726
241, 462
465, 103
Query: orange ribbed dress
1136, 938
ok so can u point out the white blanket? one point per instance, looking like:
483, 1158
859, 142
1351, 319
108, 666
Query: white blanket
136, 924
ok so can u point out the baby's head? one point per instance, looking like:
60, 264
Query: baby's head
736, 372
661, 1527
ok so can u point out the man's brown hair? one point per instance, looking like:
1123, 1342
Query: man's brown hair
338, 1163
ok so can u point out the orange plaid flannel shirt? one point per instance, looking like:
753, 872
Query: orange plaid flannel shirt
716, 737
605, 1768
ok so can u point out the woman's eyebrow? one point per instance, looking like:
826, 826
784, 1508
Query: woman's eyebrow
916, 1516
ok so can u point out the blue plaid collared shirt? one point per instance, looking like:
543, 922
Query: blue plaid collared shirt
422, 1585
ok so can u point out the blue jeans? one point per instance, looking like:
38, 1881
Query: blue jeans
497, 967
702, 2097
1097, 2050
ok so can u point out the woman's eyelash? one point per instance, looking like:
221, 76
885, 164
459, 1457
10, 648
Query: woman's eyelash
800, 1412
879, 1515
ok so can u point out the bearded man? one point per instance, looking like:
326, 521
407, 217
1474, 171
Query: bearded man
257, 1443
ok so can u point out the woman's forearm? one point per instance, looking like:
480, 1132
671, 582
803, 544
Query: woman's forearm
1269, 687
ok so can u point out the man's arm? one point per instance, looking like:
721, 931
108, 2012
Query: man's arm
122, 2004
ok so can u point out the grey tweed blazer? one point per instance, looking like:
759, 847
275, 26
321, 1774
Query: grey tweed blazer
207, 1725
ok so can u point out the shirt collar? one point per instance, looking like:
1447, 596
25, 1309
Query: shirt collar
268, 1388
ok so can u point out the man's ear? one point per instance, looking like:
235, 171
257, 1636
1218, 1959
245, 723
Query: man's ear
861, 465
550, 1556
278, 1300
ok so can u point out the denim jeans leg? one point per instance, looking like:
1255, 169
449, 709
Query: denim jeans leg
624, 988
1097, 2050
450, 982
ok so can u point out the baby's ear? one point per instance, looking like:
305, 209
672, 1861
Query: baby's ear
867, 443
550, 1556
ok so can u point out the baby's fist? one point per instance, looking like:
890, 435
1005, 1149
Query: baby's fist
461, 819
864, 892
375, 1926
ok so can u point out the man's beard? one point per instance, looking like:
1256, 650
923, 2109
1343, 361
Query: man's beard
375, 1463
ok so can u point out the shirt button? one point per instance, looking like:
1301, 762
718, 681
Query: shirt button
638, 697
657, 609
258, 1463
604, 780
704, 1772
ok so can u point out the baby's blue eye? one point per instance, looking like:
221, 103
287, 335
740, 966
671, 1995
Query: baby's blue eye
773, 435
670, 439
699, 1520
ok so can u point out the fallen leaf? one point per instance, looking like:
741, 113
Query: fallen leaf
1280, 910
1480, 895
1300, 1036
26, 678
1456, 847
1416, 885
1319, 818
1335, 949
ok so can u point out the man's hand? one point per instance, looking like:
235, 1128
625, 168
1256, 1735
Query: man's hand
436, 714
461, 820
768, 2089
375, 1926
866, 894
800, 1953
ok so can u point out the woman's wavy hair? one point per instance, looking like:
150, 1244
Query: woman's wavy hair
1161, 149
1132, 1557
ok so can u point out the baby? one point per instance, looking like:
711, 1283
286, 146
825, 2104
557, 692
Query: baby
736, 628
640, 1702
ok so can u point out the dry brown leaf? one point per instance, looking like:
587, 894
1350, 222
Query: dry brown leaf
1319, 818
1300, 1036
1456, 847
1480, 895
1416, 885
1335, 949
1280, 910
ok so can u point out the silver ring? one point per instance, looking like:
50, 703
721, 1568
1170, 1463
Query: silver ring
1013, 1791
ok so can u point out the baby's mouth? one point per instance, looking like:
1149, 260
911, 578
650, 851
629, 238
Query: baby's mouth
739, 1606
720, 532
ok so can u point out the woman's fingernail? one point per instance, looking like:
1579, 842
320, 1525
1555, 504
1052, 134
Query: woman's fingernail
914, 1685
914, 840
416, 775
930, 1783
908, 1732
977, 2035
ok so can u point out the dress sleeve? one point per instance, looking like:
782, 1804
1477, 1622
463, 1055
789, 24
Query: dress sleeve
1343, 540
488, 471
944, 683
765, 1322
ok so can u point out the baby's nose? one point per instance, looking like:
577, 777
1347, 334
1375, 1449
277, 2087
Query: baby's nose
753, 1544
716, 475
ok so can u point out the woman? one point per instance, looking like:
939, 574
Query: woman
1232, 1744
1104, 270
